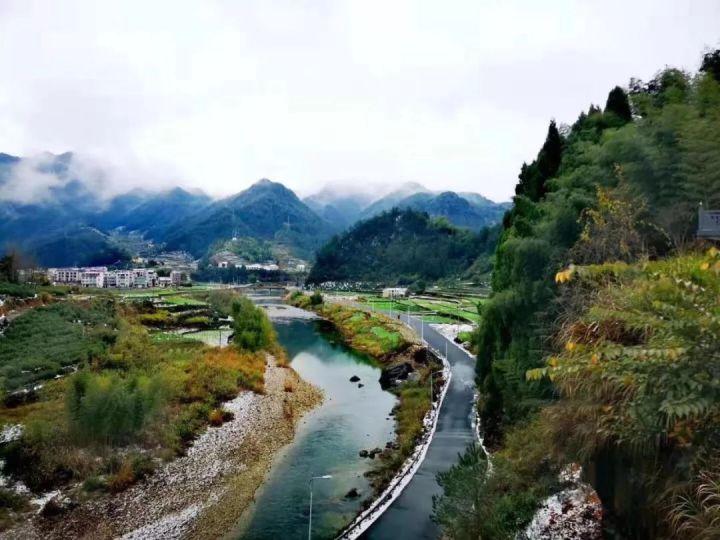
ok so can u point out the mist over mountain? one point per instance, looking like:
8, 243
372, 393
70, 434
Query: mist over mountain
58, 210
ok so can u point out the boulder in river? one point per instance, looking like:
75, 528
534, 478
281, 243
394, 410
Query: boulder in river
354, 378
360, 385
352, 494
392, 376
363, 453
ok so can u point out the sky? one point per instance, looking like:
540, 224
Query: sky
215, 95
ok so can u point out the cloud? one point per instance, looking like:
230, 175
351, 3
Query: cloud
215, 95
28, 181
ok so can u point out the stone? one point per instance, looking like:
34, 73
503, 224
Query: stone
58, 505
391, 376
360, 385
352, 494
354, 378
363, 453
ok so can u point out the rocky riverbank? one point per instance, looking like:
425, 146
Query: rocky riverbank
201, 494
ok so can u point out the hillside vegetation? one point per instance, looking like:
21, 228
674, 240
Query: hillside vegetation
400, 246
129, 401
610, 360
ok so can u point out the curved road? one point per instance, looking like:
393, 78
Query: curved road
409, 517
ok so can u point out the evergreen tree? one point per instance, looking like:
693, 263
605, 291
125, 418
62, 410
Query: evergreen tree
711, 64
533, 177
618, 104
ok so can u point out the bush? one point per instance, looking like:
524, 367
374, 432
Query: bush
35, 458
94, 483
216, 417
11, 500
253, 330
316, 298
109, 409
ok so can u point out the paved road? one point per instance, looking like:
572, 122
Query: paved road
409, 516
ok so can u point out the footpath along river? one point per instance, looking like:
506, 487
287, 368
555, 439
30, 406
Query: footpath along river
409, 517
351, 418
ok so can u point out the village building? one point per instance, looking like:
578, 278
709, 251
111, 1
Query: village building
394, 292
178, 277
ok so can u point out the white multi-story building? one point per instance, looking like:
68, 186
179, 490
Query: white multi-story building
100, 276
75, 275
394, 292
92, 278
144, 277
124, 279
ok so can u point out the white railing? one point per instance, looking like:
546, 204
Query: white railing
400, 481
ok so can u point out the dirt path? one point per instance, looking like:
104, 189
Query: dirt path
202, 494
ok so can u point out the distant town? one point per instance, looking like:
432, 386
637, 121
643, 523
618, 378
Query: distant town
101, 277
169, 269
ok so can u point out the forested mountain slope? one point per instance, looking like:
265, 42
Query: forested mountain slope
630, 351
399, 246
266, 210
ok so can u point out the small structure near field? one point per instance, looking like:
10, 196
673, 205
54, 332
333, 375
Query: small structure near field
708, 223
395, 292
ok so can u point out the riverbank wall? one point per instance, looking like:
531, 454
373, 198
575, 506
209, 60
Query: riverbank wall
403, 477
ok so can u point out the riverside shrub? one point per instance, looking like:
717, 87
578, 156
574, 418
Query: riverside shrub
253, 329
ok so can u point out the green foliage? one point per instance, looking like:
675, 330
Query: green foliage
222, 300
633, 391
248, 248
399, 246
457, 511
110, 409
481, 503
637, 377
316, 298
619, 105
253, 329
533, 177
41, 342
37, 457
711, 64
15, 289
622, 191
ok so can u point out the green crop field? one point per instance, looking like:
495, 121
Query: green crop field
441, 310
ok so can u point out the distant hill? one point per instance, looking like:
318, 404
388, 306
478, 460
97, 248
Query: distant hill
399, 246
266, 210
154, 214
468, 210
342, 207
457, 209
394, 198
337, 206
76, 246
46, 202
68, 223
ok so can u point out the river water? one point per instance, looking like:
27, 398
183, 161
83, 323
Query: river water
327, 440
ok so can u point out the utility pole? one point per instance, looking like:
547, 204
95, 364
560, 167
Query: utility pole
324, 477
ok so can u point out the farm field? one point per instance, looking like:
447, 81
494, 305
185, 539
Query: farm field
436, 310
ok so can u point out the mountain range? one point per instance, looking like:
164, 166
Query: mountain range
69, 222
468, 210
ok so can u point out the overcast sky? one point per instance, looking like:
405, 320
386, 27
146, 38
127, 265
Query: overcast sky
452, 94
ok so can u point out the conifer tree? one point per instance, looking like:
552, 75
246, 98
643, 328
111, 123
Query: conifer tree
618, 104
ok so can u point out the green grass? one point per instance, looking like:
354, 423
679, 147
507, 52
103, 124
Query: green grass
447, 311
162, 337
178, 300
209, 337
